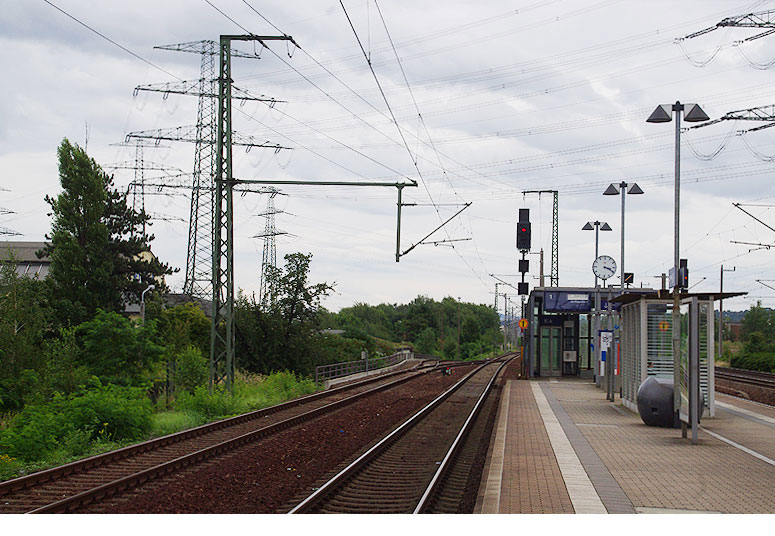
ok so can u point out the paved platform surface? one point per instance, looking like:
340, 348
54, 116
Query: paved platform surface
560, 447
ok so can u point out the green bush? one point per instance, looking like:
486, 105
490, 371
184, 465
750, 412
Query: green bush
287, 385
761, 361
68, 423
115, 350
191, 369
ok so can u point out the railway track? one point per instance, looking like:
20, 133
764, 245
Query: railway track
417, 468
750, 377
70, 487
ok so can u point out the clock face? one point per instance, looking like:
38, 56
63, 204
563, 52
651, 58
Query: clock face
604, 267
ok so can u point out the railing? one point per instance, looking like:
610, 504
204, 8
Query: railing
347, 368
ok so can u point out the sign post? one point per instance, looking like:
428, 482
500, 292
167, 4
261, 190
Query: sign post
606, 340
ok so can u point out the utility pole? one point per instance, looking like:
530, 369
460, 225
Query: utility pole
222, 340
721, 310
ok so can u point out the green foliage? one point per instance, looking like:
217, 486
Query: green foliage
63, 371
759, 340
24, 325
170, 422
426, 342
276, 388
191, 369
759, 319
335, 348
424, 322
128, 356
210, 405
97, 242
183, 326
762, 361
69, 423
281, 334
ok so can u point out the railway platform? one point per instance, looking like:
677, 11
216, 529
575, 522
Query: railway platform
559, 446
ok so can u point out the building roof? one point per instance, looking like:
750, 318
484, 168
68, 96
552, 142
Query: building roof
22, 251
24, 254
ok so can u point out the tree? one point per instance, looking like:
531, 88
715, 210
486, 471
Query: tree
282, 335
24, 325
97, 242
758, 319
129, 355
426, 341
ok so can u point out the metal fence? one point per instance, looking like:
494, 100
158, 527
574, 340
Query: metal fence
347, 368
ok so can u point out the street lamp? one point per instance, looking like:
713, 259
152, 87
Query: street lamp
624, 189
662, 114
142, 302
597, 226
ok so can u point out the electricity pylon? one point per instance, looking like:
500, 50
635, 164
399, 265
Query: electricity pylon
269, 256
140, 166
198, 280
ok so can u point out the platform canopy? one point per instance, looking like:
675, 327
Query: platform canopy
636, 294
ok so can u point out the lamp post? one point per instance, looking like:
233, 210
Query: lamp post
624, 189
663, 113
142, 302
597, 226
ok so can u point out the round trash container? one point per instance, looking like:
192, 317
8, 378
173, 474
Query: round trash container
655, 401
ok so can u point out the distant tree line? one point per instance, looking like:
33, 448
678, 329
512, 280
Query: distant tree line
446, 328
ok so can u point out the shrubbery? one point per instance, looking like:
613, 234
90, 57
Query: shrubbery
70, 423
211, 405
761, 361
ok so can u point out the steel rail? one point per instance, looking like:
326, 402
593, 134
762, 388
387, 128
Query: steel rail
453, 449
750, 377
329, 486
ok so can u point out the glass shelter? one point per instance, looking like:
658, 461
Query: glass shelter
647, 341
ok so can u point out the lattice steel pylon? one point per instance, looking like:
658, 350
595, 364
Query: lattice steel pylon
554, 278
140, 166
222, 340
269, 256
199, 257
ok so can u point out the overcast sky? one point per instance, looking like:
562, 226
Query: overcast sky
490, 98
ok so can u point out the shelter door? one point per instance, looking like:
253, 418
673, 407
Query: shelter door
551, 351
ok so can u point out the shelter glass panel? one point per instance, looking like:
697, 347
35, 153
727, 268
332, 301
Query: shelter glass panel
659, 325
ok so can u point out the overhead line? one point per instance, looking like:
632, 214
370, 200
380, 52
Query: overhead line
122, 47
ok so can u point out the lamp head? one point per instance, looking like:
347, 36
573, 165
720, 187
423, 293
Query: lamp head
694, 114
634, 189
662, 114
611, 190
